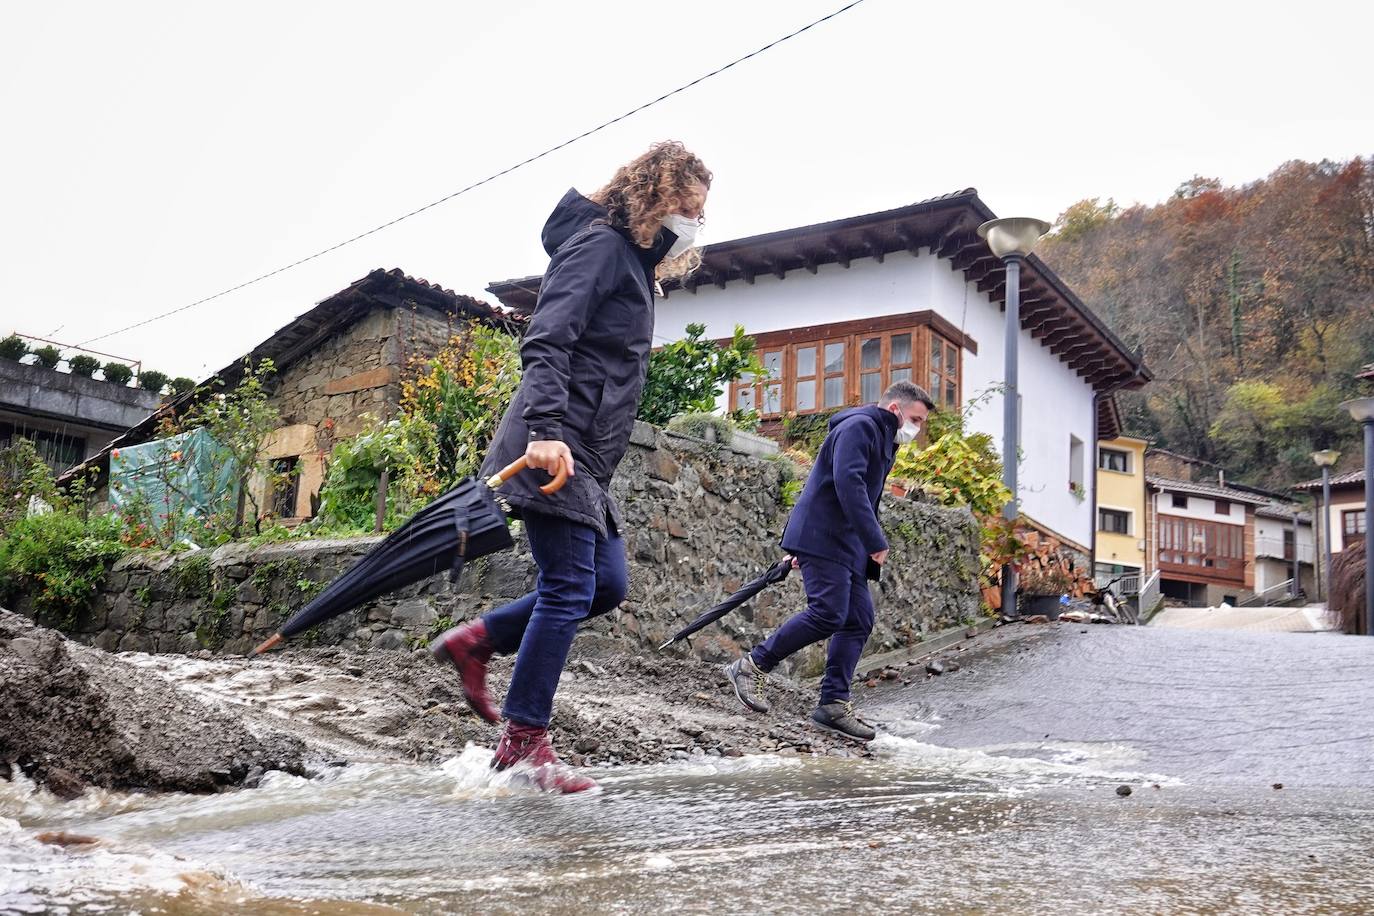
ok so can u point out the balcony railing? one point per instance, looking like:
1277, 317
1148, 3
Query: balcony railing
1278, 549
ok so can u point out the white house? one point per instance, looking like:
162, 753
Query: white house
841, 309
1346, 509
1278, 541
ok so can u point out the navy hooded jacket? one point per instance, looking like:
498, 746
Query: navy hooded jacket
585, 356
836, 517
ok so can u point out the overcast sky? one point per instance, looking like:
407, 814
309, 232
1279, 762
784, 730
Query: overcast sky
155, 153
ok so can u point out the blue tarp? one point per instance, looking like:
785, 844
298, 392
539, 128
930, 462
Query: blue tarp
188, 480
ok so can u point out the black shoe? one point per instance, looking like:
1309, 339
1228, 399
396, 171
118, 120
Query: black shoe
748, 682
839, 717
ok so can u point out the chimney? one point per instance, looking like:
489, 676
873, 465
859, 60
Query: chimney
1221, 477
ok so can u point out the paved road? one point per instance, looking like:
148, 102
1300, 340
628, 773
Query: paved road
1310, 619
1207, 706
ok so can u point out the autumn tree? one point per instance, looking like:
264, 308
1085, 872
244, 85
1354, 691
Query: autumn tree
1242, 298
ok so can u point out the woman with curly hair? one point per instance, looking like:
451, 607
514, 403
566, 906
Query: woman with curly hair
585, 357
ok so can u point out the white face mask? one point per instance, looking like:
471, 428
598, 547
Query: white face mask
908, 432
685, 228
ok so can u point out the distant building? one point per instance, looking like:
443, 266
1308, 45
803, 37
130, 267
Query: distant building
1216, 541
1121, 517
68, 418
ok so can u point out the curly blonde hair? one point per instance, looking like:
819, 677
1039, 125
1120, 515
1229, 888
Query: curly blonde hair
647, 189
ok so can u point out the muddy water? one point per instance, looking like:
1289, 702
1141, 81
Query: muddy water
935, 823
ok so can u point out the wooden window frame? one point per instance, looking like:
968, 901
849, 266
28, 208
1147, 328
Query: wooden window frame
940, 378
1350, 523
882, 370
823, 374
1175, 497
791, 380
922, 326
1222, 506
1199, 550
761, 385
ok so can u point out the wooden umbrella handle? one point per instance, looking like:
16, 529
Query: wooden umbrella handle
520, 464
268, 643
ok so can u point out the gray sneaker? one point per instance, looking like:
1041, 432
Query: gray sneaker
839, 717
748, 682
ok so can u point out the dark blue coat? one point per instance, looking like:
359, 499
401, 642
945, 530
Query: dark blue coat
585, 357
836, 517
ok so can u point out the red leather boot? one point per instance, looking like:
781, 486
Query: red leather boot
468, 649
528, 746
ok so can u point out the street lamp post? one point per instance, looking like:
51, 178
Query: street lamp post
1011, 239
1326, 459
1362, 409
1296, 585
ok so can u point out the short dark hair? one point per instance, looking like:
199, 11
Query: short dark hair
907, 393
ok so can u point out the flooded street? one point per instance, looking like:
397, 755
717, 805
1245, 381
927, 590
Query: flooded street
995, 788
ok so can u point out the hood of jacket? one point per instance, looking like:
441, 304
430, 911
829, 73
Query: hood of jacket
573, 213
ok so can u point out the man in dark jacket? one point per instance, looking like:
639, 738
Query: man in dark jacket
585, 357
837, 543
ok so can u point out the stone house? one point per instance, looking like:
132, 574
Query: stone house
338, 366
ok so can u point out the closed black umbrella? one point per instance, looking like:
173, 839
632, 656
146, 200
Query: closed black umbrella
776, 573
467, 521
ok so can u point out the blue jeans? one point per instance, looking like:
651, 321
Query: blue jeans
581, 574
839, 608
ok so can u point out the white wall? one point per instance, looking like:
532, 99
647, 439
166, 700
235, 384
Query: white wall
1269, 573
1340, 504
1269, 532
1199, 507
1057, 403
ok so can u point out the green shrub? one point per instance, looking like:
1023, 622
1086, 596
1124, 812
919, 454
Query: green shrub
407, 447
181, 384
691, 374
702, 425
956, 468
808, 431
13, 347
747, 420
48, 357
117, 373
152, 380
461, 392
59, 560
23, 475
83, 365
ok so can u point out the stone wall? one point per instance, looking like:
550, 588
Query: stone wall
700, 521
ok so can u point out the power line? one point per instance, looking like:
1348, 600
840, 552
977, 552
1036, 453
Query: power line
477, 184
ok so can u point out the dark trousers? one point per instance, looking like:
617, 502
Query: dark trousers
581, 574
839, 608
